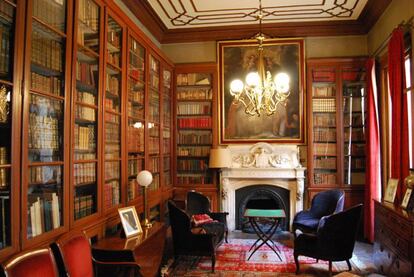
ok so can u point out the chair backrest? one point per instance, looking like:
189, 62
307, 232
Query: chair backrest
180, 224
74, 254
197, 203
339, 230
36, 263
328, 202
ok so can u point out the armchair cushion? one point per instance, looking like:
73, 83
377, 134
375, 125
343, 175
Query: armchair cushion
200, 219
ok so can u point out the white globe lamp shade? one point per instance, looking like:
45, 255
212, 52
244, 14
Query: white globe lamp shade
253, 79
282, 82
144, 178
236, 86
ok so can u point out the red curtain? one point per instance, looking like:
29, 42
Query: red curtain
399, 132
372, 152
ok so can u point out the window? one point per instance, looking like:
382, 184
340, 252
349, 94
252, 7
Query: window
410, 109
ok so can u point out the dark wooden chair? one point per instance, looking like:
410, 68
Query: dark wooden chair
323, 204
39, 263
186, 242
334, 239
198, 203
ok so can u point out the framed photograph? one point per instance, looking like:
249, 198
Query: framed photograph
407, 198
236, 60
130, 221
391, 190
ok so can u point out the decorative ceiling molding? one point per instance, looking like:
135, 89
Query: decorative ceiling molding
345, 17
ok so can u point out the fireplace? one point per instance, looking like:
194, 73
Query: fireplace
269, 174
261, 197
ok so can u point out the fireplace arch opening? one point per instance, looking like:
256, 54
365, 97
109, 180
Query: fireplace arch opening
261, 197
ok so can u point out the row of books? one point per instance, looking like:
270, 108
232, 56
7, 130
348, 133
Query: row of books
191, 137
45, 107
323, 91
85, 97
198, 151
355, 163
5, 213
166, 143
354, 149
136, 48
324, 178
135, 166
45, 174
112, 133
137, 73
325, 163
112, 105
43, 132
136, 62
167, 178
111, 194
353, 119
114, 34
192, 165
112, 170
191, 180
84, 37
112, 151
136, 92
44, 213
194, 108
352, 104
154, 145
155, 183
154, 164
133, 189
88, 14
324, 105
154, 65
83, 206
323, 75
51, 12
354, 134
5, 61
113, 58
166, 163
6, 11
135, 142
112, 118
85, 113
194, 94
154, 81
191, 79
201, 123
46, 52
166, 81
85, 73
325, 135
84, 173
81, 156
154, 112
85, 138
324, 148
135, 111
112, 84
324, 120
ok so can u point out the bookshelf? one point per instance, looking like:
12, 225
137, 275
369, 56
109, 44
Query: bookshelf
46, 119
166, 130
336, 148
85, 172
113, 114
136, 115
8, 126
194, 137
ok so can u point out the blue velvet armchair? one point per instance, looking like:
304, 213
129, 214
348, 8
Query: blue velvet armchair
334, 239
324, 203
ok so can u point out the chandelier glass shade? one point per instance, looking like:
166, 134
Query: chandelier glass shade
261, 93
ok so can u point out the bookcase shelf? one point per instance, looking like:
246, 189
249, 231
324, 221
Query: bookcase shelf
337, 132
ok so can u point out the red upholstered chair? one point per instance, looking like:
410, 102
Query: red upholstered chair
34, 263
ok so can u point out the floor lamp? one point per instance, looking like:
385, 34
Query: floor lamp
144, 179
220, 158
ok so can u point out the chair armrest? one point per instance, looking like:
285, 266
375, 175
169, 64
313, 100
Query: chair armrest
128, 264
220, 216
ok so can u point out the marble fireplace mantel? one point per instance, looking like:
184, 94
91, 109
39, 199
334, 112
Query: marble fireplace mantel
262, 164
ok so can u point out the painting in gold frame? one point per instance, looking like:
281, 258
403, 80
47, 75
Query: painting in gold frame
235, 60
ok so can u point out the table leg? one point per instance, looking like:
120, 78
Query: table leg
264, 237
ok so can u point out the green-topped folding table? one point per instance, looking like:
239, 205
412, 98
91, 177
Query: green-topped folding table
274, 216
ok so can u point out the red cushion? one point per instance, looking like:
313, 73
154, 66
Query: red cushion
77, 257
39, 263
200, 219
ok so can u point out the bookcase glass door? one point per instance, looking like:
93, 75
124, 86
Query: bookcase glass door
136, 115
112, 115
85, 166
154, 123
194, 125
354, 117
324, 141
7, 30
46, 116
166, 131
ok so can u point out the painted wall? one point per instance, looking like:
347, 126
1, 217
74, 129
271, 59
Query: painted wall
338, 46
396, 12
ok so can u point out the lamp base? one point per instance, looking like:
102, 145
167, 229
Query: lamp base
146, 223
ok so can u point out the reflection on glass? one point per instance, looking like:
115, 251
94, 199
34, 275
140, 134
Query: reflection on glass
44, 199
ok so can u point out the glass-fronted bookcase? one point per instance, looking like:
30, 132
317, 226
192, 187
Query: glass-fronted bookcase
337, 118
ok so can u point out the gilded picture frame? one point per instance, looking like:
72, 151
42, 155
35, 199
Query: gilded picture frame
235, 60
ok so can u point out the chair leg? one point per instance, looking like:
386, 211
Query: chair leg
213, 262
297, 264
330, 268
349, 265
225, 236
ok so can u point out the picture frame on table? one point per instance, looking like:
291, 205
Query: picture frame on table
130, 221
391, 190
407, 200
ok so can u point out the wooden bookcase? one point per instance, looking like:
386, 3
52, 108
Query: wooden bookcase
337, 124
195, 98
89, 108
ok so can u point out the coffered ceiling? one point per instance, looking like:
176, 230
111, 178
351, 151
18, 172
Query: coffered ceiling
199, 20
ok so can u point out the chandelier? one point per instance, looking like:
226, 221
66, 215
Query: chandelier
260, 93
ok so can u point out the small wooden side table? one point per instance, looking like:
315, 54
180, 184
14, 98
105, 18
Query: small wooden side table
145, 249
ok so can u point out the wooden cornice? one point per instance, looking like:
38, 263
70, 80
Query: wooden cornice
144, 12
